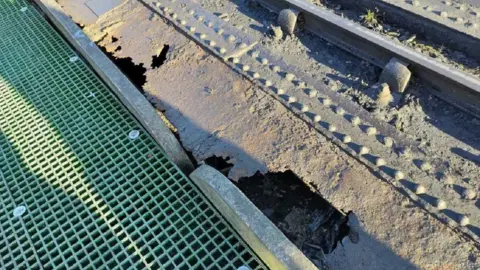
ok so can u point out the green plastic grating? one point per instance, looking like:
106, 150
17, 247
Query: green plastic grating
95, 196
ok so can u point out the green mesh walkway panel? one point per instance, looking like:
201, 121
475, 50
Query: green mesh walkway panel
95, 197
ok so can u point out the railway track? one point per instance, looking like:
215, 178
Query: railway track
452, 23
449, 84
376, 144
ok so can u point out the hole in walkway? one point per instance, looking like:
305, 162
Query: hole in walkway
219, 163
81, 26
136, 73
158, 60
306, 218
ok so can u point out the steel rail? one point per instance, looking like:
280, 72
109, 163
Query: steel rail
447, 83
462, 37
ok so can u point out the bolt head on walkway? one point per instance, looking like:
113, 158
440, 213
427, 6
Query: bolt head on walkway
19, 211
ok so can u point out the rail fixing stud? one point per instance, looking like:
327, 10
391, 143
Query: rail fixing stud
287, 20
380, 162
371, 131
420, 189
231, 38
356, 120
464, 220
441, 204
469, 194
425, 166
396, 74
388, 141
447, 179
363, 150
289, 77
399, 175
340, 111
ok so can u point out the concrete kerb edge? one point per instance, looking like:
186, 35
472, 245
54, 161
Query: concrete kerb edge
254, 227
128, 94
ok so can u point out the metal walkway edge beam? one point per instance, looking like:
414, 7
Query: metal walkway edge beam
82, 183
136, 103
451, 85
